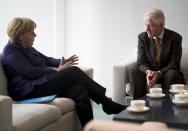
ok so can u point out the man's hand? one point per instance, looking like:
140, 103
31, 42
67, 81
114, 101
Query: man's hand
152, 77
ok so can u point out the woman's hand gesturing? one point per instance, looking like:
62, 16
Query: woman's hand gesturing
68, 62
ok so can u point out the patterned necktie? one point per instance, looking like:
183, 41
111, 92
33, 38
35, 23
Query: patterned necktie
157, 49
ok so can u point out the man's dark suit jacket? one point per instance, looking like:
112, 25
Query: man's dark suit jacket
171, 52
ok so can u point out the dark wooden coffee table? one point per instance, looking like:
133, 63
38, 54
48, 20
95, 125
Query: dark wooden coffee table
161, 110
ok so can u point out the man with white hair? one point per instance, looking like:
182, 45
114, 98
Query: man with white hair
159, 56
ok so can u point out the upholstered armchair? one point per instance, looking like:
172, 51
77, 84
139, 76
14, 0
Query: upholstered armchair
121, 85
58, 115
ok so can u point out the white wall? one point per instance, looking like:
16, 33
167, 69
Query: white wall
104, 32
101, 32
49, 16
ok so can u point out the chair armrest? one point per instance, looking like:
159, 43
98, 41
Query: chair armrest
88, 71
120, 79
104, 125
5, 113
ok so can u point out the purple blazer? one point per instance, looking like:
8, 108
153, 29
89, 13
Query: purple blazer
25, 68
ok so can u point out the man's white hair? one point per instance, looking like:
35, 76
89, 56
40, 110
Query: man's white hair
156, 16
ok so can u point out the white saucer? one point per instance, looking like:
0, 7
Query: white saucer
144, 109
155, 96
180, 91
180, 102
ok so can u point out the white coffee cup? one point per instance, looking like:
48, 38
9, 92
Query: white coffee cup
155, 91
177, 87
181, 97
138, 104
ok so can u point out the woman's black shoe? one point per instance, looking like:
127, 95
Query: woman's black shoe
111, 107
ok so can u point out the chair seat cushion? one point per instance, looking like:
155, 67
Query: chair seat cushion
30, 117
64, 104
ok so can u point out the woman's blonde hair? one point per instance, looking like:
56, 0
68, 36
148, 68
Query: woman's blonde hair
18, 26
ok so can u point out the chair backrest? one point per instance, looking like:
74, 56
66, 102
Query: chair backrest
184, 63
3, 79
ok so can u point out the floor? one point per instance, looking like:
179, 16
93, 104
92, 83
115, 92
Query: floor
99, 114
